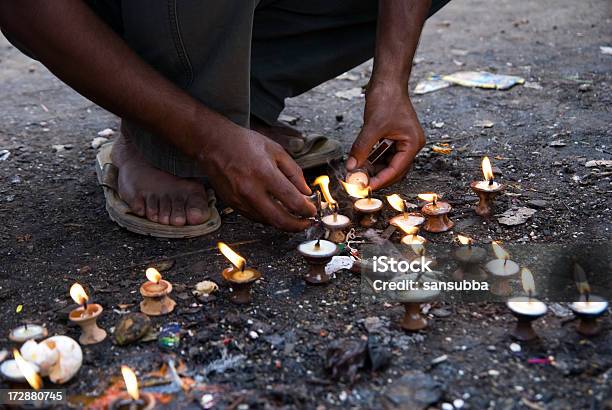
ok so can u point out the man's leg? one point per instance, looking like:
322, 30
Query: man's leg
298, 45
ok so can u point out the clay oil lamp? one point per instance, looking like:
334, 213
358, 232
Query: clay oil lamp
414, 243
486, 190
470, 259
318, 253
405, 217
365, 205
359, 177
27, 332
526, 309
335, 223
18, 371
436, 213
502, 270
133, 399
588, 307
86, 316
412, 295
155, 291
238, 276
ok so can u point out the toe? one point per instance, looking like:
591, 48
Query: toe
137, 205
197, 209
152, 208
165, 209
177, 217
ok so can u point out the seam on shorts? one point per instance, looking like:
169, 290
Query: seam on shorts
175, 30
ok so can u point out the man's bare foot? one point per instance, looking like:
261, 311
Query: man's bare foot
153, 193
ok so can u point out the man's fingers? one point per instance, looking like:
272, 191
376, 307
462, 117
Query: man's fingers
360, 149
277, 216
283, 190
293, 172
399, 165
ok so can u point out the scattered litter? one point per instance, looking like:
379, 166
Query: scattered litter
414, 390
439, 359
493, 373
605, 50
606, 163
4, 154
483, 79
484, 124
559, 310
437, 124
516, 216
253, 334
442, 148
204, 291
169, 336
539, 360
557, 143
106, 132
349, 94
532, 84
348, 76
515, 347
585, 87
345, 358
98, 142
225, 363
458, 63
289, 119
131, 328
430, 85
338, 263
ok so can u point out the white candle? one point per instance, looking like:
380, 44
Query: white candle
10, 370
594, 306
407, 220
368, 205
24, 333
502, 267
527, 306
323, 250
336, 220
486, 186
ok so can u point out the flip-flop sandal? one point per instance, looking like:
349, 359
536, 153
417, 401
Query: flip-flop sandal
313, 150
120, 212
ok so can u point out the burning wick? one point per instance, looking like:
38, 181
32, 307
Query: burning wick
429, 197
77, 293
465, 240
317, 244
487, 171
153, 275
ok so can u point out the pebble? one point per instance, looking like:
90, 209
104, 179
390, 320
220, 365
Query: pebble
343, 396
458, 403
538, 203
61, 147
439, 359
515, 347
584, 87
439, 312
4, 154
106, 132
253, 334
493, 372
447, 406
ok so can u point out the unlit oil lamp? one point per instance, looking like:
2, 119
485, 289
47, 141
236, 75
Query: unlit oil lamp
155, 291
526, 309
365, 205
27, 332
502, 270
413, 320
238, 276
436, 213
86, 316
486, 190
318, 253
405, 217
588, 307
470, 259
134, 399
20, 370
335, 223
359, 177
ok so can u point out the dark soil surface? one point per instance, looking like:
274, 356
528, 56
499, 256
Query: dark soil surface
54, 229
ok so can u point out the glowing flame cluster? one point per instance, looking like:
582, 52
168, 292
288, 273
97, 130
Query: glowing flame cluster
527, 281
236, 260
465, 240
500, 252
428, 197
323, 183
77, 293
153, 275
356, 190
131, 382
405, 226
27, 370
487, 170
396, 202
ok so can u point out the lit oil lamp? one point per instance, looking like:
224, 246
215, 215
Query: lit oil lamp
526, 309
486, 190
86, 316
588, 307
134, 399
401, 205
155, 291
318, 253
502, 270
359, 177
412, 299
239, 277
27, 332
413, 242
367, 206
20, 370
335, 223
436, 213
470, 259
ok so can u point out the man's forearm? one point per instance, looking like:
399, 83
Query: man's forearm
398, 30
85, 53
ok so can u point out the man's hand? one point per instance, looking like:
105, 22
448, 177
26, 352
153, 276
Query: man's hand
256, 176
388, 114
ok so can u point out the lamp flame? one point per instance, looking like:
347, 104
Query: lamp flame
131, 382
428, 197
500, 252
27, 370
582, 282
416, 242
153, 275
77, 293
465, 240
396, 202
487, 170
236, 260
356, 190
405, 226
323, 183
527, 281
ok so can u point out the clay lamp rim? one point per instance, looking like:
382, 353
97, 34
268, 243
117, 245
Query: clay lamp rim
404, 215
20, 339
146, 292
590, 314
525, 315
124, 400
93, 311
379, 206
18, 379
495, 189
440, 208
336, 225
228, 272
515, 268
330, 254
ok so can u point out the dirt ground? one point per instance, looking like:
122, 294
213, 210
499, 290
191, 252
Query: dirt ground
54, 229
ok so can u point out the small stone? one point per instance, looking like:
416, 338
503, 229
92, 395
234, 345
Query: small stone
447, 406
491, 348
4, 154
289, 119
537, 203
493, 373
437, 124
484, 124
98, 142
605, 163
253, 334
349, 94
557, 143
414, 390
105, 133
61, 147
131, 328
584, 87
339, 117
439, 359
515, 347
343, 396
458, 403
439, 312
559, 310
373, 324
515, 216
